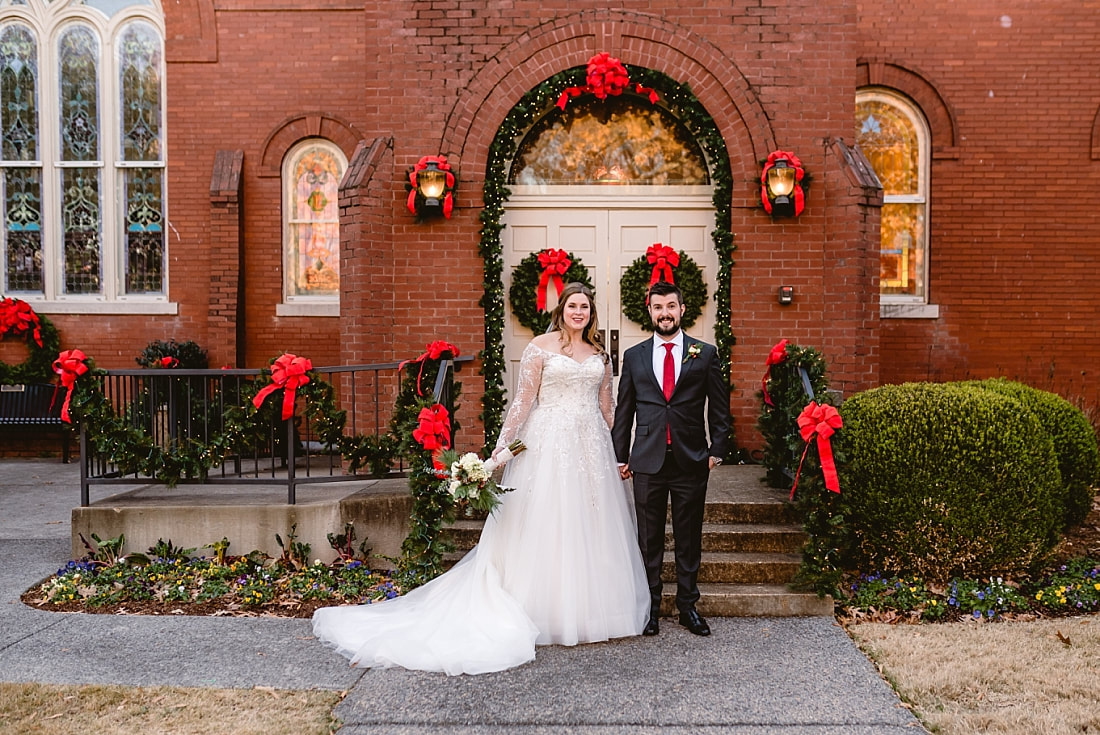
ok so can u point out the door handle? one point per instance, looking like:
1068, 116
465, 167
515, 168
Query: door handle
613, 348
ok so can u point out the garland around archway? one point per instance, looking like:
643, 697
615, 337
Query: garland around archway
678, 99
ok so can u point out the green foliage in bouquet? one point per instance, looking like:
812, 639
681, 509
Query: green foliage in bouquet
1074, 443
947, 480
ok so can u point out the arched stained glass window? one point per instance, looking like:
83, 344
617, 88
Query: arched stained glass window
82, 153
620, 140
311, 178
894, 136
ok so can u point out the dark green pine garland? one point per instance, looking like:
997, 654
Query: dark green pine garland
679, 99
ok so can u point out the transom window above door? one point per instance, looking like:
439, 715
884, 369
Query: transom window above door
620, 140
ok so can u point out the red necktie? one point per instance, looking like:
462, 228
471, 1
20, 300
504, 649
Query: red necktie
668, 381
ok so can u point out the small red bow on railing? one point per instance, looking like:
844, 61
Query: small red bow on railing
776, 356
433, 431
17, 318
167, 362
435, 351
663, 259
70, 366
821, 421
288, 373
554, 264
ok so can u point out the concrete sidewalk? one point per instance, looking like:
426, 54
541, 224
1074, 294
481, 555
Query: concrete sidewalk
752, 675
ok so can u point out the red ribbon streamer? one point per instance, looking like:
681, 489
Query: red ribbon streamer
288, 373
663, 259
435, 350
776, 356
821, 421
554, 264
433, 431
799, 173
70, 366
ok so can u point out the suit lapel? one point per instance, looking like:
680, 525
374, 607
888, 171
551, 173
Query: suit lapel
647, 358
688, 363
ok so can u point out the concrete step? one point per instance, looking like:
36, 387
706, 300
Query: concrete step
748, 537
750, 600
739, 568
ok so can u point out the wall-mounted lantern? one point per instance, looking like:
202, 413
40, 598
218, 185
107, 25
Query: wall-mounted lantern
431, 187
781, 185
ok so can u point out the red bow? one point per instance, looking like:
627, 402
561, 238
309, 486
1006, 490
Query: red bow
17, 318
776, 356
288, 373
435, 351
167, 362
605, 77
448, 196
799, 173
822, 421
433, 431
70, 366
554, 264
663, 259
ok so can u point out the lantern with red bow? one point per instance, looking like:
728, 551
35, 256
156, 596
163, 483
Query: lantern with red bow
431, 187
781, 185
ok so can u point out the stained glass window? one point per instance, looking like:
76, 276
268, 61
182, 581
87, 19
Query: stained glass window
894, 136
620, 140
312, 175
84, 211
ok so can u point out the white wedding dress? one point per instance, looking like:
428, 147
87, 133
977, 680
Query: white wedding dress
557, 563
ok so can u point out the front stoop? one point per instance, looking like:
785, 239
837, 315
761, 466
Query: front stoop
752, 543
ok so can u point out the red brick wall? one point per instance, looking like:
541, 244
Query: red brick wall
1015, 254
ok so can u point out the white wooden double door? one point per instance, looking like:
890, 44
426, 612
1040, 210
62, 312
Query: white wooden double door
607, 234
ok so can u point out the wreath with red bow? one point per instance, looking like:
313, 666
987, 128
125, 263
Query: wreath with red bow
19, 321
606, 77
533, 279
416, 201
662, 263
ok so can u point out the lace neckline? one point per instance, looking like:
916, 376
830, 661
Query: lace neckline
562, 354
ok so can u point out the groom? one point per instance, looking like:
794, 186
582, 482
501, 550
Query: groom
668, 384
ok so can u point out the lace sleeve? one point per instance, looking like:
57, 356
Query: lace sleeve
607, 402
527, 393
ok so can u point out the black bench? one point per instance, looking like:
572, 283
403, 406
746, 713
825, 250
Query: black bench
28, 407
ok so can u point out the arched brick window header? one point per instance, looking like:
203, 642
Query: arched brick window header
912, 84
295, 129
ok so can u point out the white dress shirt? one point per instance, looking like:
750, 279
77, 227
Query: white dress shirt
659, 355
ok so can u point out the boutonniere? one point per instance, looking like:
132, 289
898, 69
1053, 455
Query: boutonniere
692, 352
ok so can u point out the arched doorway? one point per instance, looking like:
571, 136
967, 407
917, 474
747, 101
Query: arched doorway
605, 179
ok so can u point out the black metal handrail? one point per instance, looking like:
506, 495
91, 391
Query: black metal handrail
179, 405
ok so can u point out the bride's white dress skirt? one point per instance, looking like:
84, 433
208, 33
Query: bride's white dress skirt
557, 563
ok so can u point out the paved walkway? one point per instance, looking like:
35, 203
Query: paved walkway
752, 675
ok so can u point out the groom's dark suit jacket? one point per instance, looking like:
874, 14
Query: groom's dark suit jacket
641, 398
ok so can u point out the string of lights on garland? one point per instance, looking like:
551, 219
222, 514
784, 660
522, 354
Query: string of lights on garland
19, 321
678, 99
529, 284
686, 274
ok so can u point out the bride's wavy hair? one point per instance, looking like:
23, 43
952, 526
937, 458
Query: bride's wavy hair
591, 333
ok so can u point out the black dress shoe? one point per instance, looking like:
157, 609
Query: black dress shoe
694, 622
653, 627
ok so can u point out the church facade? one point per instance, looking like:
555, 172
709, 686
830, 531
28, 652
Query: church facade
236, 173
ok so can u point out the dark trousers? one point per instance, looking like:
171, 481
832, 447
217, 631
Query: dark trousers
687, 487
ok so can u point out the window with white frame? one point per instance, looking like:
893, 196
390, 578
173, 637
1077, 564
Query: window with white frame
312, 171
82, 151
894, 136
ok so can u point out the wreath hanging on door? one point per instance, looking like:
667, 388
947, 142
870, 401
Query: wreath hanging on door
18, 320
533, 279
662, 263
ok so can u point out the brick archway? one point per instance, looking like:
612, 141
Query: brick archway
636, 39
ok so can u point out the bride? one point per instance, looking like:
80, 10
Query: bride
558, 560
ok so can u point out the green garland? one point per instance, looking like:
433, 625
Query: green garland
634, 286
525, 279
680, 100
38, 367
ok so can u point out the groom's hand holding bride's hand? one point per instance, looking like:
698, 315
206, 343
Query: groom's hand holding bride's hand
624, 471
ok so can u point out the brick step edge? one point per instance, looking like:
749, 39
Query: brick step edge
750, 600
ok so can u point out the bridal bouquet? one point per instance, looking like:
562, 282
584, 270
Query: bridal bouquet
470, 478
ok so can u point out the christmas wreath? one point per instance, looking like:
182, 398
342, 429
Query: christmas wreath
532, 279
18, 320
662, 263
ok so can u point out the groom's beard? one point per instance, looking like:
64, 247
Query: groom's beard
667, 327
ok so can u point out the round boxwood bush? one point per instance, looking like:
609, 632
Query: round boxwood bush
1074, 443
947, 480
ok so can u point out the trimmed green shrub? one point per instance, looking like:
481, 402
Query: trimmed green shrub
778, 423
1074, 443
947, 480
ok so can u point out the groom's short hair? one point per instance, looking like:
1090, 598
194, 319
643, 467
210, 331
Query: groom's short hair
664, 288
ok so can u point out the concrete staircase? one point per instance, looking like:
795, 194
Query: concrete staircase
751, 551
